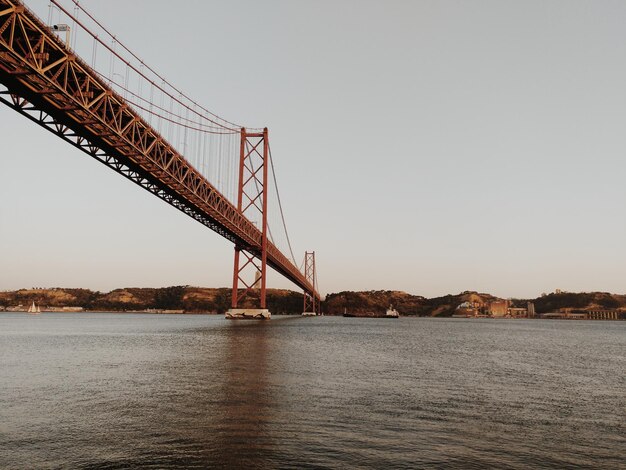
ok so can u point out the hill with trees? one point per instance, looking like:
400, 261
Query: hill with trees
188, 299
376, 302
175, 298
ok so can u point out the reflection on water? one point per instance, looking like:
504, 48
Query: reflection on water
156, 391
245, 414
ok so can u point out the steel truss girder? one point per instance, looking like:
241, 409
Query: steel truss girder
37, 67
50, 124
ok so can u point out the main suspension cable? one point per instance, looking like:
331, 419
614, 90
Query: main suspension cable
209, 129
280, 205
152, 82
137, 58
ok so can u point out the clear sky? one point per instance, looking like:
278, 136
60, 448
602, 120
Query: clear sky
425, 146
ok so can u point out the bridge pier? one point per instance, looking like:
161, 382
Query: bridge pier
248, 314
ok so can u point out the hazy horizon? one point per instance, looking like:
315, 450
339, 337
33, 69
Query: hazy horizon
430, 147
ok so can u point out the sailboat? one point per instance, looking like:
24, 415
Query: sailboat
34, 309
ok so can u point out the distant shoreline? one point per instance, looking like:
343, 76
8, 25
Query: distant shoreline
555, 316
190, 300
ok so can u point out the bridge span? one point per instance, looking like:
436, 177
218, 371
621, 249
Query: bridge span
45, 80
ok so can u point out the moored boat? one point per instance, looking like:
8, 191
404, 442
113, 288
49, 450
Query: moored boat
392, 312
34, 309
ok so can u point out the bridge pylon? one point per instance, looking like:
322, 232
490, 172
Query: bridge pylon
311, 301
252, 203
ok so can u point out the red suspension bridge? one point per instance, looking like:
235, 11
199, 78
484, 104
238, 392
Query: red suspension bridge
74, 78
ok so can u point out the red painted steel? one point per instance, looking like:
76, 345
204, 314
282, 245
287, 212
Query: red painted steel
250, 190
46, 82
311, 301
264, 228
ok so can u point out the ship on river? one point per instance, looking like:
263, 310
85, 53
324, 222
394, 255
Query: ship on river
390, 313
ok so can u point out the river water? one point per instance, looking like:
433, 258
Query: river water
173, 391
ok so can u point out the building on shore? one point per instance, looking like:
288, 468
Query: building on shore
503, 309
499, 308
467, 309
567, 314
517, 312
605, 315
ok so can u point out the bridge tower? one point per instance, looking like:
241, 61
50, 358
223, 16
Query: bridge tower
251, 203
311, 302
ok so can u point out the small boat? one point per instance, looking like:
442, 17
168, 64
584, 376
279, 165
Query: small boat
390, 313
34, 309
346, 314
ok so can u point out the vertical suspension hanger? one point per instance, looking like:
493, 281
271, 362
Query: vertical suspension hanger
73, 31
193, 150
111, 59
177, 129
151, 101
172, 127
185, 130
198, 146
94, 52
233, 194
161, 105
126, 80
205, 169
140, 82
227, 162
